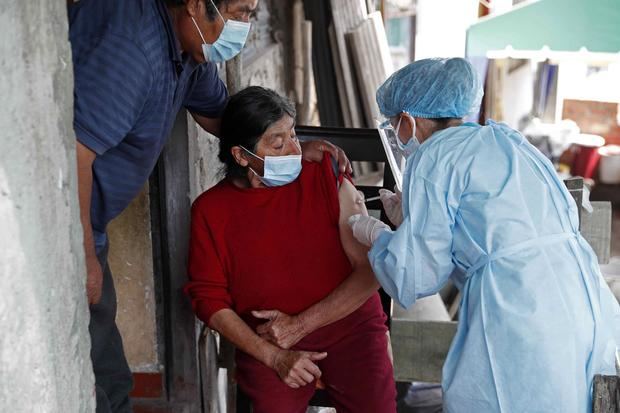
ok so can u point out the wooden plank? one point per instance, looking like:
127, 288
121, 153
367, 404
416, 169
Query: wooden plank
347, 15
370, 5
420, 348
170, 216
596, 229
606, 394
342, 94
575, 187
382, 42
323, 64
372, 62
298, 51
362, 51
308, 102
225, 359
234, 74
207, 359
429, 308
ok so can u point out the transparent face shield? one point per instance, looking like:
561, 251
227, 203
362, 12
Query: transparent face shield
394, 154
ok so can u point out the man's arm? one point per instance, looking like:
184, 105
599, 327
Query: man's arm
285, 330
315, 151
211, 125
94, 275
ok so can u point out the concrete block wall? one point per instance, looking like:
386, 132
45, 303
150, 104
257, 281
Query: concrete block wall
44, 343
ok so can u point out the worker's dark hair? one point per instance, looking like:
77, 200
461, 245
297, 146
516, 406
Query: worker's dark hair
248, 114
442, 123
211, 12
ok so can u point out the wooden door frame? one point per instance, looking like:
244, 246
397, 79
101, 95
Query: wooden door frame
170, 223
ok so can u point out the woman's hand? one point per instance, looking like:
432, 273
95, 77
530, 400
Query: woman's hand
297, 368
282, 330
313, 151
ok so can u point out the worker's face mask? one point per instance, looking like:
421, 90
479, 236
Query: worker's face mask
278, 170
229, 43
412, 145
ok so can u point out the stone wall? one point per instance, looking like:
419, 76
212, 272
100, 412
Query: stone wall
44, 343
131, 263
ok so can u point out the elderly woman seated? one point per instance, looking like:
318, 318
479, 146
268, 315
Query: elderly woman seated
275, 269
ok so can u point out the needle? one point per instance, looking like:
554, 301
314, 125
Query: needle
361, 199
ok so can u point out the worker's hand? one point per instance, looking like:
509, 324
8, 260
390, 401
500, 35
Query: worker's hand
297, 368
392, 205
282, 330
367, 229
94, 279
313, 151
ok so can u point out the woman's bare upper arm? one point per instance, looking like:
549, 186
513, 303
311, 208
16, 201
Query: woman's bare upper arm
349, 198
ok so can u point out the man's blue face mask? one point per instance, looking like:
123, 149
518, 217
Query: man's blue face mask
229, 43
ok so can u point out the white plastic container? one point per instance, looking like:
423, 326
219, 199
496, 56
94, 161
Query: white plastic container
609, 164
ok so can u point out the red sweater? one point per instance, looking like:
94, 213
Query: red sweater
267, 248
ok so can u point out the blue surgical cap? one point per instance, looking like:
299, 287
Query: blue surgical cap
432, 88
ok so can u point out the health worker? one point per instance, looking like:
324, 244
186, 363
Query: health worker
482, 206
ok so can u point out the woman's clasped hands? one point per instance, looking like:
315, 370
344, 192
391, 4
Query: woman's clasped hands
295, 368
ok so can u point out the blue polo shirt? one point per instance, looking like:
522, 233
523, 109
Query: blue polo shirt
130, 82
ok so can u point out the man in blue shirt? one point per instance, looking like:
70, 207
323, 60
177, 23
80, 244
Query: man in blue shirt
136, 63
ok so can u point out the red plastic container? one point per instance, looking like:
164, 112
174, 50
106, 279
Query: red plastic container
586, 155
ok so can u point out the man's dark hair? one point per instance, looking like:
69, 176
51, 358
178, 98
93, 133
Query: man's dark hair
248, 114
211, 12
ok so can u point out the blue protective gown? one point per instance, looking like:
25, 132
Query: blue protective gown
537, 320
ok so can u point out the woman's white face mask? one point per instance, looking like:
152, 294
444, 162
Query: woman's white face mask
412, 143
